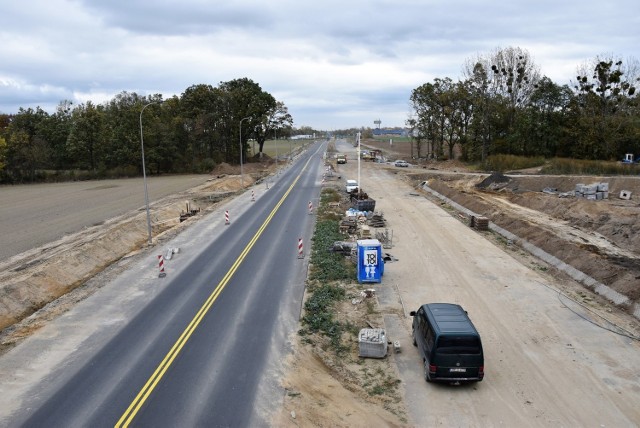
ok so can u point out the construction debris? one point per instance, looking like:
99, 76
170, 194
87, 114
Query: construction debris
364, 294
592, 192
376, 220
495, 181
373, 343
385, 237
361, 201
480, 223
348, 225
365, 232
190, 212
343, 247
388, 258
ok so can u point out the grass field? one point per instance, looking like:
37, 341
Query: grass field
283, 147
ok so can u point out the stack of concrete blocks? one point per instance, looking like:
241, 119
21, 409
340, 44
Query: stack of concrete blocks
593, 192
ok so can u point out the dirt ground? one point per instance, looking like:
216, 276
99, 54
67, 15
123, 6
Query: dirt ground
510, 396
599, 237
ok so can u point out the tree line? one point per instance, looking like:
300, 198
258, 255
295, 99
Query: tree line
192, 132
504, 106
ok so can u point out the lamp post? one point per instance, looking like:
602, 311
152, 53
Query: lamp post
241, 173
144, 171
359, 184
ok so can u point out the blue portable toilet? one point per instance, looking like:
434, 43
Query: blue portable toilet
370, 261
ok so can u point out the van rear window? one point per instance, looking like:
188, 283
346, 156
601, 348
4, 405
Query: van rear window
459, 345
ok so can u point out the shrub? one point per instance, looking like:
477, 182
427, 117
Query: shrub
588, 167
502, 163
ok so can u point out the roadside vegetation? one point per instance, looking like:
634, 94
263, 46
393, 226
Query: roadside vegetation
190, 133
506, 106
331, 321
328, 273
589, 167
559, 166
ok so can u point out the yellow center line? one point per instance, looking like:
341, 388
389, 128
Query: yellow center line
166, 362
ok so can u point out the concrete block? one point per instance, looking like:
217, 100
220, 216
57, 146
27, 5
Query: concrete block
625, 194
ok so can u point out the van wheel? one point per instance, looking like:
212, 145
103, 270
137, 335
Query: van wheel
413, 333
426, 371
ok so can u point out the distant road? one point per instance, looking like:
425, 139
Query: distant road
33, 215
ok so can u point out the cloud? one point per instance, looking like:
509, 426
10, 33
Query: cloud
333, 63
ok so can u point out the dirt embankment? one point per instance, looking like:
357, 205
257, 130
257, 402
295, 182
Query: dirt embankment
34, 279
599, 238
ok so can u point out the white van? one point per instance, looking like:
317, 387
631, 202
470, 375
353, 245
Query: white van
351, 185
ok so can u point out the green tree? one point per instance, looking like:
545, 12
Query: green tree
425, 105
481, 125
84, 143
511, 77
122, 132
277, 122
606, 108
3, 155
206, 111
540, 129
27, 150
55, 129
248, 100
463, 108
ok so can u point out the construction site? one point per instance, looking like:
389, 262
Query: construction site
580, 249
557, 237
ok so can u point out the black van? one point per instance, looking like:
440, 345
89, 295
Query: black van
448, 342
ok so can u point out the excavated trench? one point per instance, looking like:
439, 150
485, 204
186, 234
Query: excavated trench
597, 238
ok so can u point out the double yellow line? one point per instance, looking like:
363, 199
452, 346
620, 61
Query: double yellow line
166, 362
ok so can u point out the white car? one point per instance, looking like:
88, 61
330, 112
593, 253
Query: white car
351, 185
402, 163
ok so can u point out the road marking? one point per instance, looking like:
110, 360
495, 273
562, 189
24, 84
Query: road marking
166, 362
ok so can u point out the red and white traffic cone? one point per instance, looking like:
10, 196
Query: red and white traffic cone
310, 208
300, 249
162, 273
253, 196
226, 218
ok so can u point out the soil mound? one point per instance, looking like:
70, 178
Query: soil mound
496, 179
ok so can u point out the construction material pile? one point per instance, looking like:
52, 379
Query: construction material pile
593, 192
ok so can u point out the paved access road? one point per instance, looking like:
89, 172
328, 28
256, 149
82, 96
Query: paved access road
35, 214
201, 347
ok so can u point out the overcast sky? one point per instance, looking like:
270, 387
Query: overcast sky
335, 64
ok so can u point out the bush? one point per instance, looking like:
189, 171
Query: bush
327, 265
502, 163
589, 167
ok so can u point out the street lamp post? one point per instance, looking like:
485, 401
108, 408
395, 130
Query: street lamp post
359, 184
241, 172
144, 171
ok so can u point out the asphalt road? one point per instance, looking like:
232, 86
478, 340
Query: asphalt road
201, 347
36, 214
